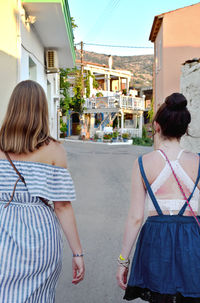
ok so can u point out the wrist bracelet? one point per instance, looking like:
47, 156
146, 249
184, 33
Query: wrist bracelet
77, 255
123, 262
122, 258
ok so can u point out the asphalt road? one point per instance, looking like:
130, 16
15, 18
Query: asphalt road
102, 177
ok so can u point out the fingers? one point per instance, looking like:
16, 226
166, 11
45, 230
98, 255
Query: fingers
78, 276
121, 277
78, 270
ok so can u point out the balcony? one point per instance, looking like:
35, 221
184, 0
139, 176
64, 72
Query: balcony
114, 104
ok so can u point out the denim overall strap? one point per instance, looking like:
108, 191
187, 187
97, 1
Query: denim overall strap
151, 194
181, 212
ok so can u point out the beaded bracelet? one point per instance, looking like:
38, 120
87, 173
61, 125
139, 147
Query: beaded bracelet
123, 262
78, 255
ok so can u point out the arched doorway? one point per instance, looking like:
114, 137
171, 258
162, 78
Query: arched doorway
75, 124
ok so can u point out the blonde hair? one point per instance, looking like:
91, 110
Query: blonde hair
26, 124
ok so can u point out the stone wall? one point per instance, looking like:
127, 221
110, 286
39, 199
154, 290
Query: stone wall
190, 88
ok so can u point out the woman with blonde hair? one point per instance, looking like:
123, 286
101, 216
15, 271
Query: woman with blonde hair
165, 267
33, 171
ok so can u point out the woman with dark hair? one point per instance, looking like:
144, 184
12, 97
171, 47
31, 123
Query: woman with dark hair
165, 267
33, 171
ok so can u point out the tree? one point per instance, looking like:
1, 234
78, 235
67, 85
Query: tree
76, 102
65, 100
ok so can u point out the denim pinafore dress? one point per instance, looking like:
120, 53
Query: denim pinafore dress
166, 263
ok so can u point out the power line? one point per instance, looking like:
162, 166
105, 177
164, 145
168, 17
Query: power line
118, 46
103, 17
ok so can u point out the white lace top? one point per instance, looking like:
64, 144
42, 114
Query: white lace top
171, 205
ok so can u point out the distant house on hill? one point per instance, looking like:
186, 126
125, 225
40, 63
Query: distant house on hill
175, 35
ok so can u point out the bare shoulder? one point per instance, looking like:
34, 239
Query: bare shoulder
190, 162
54, 154
150, 159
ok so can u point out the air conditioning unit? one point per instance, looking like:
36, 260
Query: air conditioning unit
51, 60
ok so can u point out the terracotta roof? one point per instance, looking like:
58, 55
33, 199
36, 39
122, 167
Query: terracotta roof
158, 20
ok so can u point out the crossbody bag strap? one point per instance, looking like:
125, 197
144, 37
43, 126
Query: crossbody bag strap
15, 168
20, 177
181, 188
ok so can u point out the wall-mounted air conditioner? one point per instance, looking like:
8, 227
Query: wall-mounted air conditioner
51, 60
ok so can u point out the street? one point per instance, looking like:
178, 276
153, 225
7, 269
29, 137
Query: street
102, 177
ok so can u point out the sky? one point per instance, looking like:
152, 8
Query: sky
119, 22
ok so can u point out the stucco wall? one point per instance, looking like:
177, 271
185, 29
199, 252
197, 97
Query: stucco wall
158, 69
190, 88
181, 29
9, 52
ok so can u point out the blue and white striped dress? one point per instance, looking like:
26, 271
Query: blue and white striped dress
30, 235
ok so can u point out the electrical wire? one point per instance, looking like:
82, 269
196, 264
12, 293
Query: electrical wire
103, 17
117, 46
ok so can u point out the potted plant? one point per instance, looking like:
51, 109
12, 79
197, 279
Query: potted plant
96, 137
125, 136
107, 137
63, 130
115, 136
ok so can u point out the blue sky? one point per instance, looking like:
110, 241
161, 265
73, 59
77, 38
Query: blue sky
119, 22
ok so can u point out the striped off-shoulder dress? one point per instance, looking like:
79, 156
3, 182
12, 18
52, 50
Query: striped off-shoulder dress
30, 235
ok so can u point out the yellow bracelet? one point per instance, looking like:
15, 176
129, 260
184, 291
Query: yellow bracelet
122, 258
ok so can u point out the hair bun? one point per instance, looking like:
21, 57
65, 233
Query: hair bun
176, 101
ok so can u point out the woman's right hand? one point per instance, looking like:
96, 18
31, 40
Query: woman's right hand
78, 268
122, 273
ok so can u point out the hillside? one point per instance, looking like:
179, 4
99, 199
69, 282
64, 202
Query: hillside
140, 66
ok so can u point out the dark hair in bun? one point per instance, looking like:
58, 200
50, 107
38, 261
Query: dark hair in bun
176, 101
173, 116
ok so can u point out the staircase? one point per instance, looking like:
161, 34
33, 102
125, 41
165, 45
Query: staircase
107, 120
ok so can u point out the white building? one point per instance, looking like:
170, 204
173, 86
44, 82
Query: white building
36, 40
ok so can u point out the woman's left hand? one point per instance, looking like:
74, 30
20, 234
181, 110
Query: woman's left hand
78, 269
122, 273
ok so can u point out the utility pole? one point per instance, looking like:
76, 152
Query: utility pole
82, 69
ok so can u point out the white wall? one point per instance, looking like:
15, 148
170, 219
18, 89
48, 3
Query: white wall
32, 48
190, 88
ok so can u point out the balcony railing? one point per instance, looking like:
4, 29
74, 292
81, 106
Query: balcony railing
124, 102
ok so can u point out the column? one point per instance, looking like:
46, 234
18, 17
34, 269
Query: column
108, 83
140, 124
127, 86
122, 120
119, 84
91, 84
92, 122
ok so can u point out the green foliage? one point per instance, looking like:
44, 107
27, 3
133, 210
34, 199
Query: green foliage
107, 136
96, 137
99, 94
63, 126
87, 84
151, 111
124, 91
140, 141
125, 135
65, 100
95, 82
144, 132
73, 23
71, 103
115, 134
77, 100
